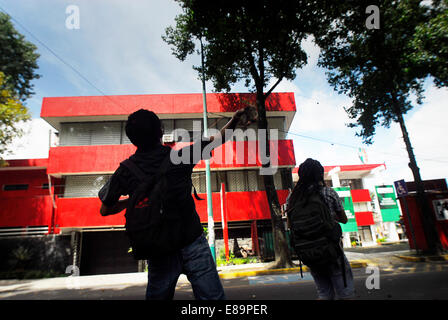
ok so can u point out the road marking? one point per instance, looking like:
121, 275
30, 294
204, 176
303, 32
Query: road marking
268, 279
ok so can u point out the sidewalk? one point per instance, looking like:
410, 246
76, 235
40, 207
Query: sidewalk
114, 282
356, 259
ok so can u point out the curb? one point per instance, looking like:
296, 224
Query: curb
443, 257
259, 272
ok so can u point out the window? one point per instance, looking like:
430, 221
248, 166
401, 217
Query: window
199, 182
105, 133
235, 181
167, 126
15, 187
91, 133
252, 180
124, 137
84, 186
352, 183
193, 126
75, 134
113, 132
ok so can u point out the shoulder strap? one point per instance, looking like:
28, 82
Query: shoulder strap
136, 171
128, 163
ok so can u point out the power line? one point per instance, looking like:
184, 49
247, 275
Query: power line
345, 145
356, 147
62, 60
115, 102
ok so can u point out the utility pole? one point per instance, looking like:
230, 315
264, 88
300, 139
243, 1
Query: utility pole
211, 223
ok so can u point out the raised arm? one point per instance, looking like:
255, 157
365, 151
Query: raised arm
242, 117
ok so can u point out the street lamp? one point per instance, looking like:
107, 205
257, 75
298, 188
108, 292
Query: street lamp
211, 224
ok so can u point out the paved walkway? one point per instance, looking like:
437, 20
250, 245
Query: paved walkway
123, 280
394, 255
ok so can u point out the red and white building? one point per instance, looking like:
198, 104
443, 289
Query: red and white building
367, 213
58, 195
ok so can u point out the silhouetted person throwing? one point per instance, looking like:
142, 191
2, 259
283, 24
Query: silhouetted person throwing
193, 257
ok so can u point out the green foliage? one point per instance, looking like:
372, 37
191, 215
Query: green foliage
12, 112
20, 257
245, 40
250, 41
221, 259
377, 68
431, 43
206, 232
18, 60
381, 240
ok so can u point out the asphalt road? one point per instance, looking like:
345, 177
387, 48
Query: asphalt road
428, 281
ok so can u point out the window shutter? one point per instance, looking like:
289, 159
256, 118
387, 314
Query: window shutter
75, 134
84, 186
105, 133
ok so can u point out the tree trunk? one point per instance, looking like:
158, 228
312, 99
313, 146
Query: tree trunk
427, 214
282, 254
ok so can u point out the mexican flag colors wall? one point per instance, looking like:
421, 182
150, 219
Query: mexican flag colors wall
388, 203
347, 202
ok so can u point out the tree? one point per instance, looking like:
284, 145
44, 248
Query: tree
18, 62
379, 70
431, 43
254, 41
11, 113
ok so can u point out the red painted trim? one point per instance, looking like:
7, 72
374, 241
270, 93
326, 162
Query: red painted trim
354, 167
25, 211
84, 212
242, 206
85, 159
364, 218
159, 103
361, 195
225, 230
26, 163
106, 158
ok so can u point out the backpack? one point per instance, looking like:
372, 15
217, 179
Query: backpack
315, 234
151, 230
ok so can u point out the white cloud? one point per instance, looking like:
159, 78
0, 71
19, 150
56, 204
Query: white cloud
34, 143
119, 49
427, 132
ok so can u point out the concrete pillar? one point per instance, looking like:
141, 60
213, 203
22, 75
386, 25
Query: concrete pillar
392, 231
372, 231
346, 240
333, 173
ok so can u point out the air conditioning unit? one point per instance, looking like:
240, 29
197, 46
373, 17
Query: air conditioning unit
168, 138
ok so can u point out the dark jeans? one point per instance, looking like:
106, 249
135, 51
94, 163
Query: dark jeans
195, 261
330, 282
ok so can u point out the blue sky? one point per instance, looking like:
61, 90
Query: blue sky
119, 49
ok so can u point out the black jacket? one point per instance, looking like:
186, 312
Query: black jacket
179, 185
